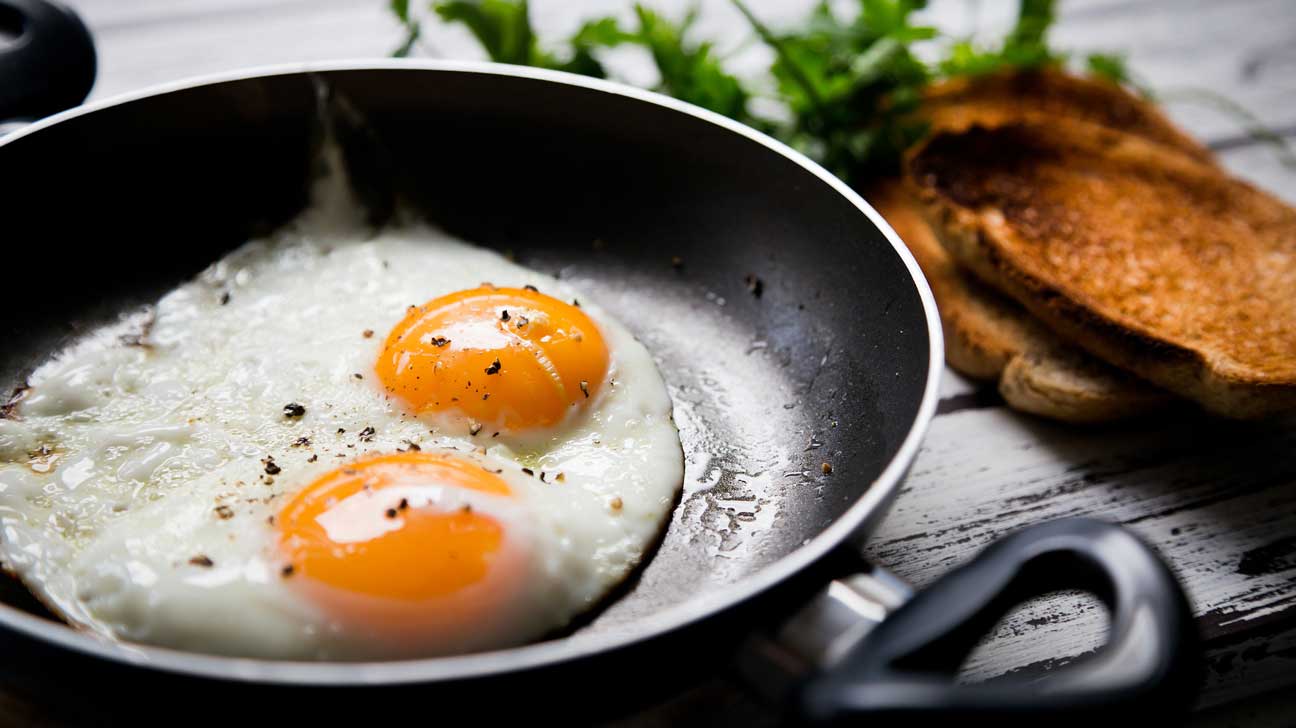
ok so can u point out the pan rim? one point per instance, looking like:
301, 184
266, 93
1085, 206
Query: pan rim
553, 652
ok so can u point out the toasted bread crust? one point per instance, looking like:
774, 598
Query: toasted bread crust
1151, 259
988, 336
1072, 386
999, 98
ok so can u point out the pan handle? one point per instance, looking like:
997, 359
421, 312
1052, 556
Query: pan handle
905, 667
49, 63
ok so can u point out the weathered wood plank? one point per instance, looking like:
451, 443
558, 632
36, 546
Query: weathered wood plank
1216, 498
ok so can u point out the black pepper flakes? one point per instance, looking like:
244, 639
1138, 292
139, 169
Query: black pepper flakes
755, 286
224, 512
271, 467
439, 341
367, 333
528, 471
504, 315
391, 512
584, 387
367, 434
522, 321
404, 504
358, 375
494, 367
301, 442
529, 287
225, 298
312, 458
203, 561
292, 409
287, 570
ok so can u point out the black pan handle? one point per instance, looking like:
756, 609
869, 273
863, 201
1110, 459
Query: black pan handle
905, 668
49, 65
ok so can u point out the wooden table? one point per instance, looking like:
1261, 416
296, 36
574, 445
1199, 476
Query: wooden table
1217, 498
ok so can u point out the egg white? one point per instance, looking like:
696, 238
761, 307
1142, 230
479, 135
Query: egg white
134, 493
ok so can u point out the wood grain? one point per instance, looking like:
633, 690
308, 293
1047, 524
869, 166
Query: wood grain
1217, 499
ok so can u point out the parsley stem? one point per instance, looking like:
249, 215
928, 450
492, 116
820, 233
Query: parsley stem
793, 68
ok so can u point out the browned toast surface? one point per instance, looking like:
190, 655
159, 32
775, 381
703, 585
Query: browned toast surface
989, 336
995, 99
1155, 261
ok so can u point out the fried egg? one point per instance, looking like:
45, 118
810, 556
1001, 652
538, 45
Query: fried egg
334, 445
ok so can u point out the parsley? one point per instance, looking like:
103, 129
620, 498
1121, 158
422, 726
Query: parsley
689, 71
411, 25
503, 28
849, 84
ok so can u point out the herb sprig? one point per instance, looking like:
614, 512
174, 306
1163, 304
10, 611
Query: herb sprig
848, 83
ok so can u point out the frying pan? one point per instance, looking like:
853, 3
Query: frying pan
798, 331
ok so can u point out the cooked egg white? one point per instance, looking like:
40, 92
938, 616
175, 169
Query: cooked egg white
256, 465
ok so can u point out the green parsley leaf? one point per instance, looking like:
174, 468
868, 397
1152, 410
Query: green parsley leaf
503, 28
1109, 66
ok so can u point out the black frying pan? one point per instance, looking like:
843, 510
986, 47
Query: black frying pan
835, 359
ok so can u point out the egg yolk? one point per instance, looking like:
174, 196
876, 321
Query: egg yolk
392, 526
511, 358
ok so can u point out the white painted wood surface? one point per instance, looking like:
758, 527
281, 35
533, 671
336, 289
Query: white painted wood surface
1218, 499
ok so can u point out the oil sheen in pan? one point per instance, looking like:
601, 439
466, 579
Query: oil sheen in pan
753, 450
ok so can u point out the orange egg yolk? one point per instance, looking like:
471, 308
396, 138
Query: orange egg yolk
510, 358
379, 527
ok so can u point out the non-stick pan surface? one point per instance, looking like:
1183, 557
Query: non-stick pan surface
794, 330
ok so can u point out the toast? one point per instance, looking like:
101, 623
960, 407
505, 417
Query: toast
989, 336
1152, 259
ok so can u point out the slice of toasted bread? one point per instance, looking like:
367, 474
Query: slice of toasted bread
1068, 384
989, 336
1153, 260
